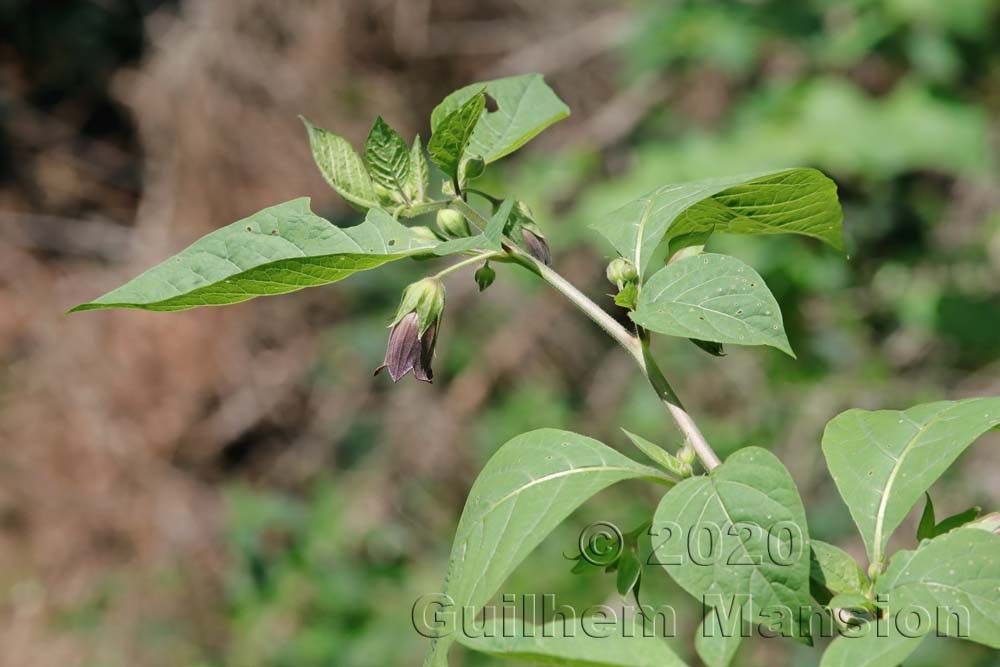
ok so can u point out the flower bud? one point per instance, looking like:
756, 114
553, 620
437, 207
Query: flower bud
452, 224
425, 234
414, 331
537, 246
474, 168
620, 272
485, 275
686, 455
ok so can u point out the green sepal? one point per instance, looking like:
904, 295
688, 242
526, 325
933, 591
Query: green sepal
484, 276
426, 299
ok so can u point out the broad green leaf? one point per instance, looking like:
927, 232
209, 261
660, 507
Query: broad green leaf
925, 529
875, 645
388, 161
605, 642
342, 167
280, 249
419, 174
832, 571
957, 573
791, 201
713, 298
525, 490
716, 647
451, 136
989, 522
525, 106
488, 239
883, 461
744, 541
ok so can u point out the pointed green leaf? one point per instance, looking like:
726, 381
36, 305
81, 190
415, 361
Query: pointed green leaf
957, 520
925, 530
716, 647
388, 161
745, 542
714, 349
883, 461
832, 571
629, 569
791, 201
525, 490
280, 249
525, 106
578, 643
452, 134
419, 174
627, 296
341, 166
713, 298
655, 453
872, 647
956, 578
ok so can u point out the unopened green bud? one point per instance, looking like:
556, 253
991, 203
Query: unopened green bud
426, 299
474, 167
485, 275
425, 234
452, 224
687, 454
620, 272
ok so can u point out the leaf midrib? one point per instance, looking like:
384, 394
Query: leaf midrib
877, 554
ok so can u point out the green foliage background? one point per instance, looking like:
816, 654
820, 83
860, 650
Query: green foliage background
897, 101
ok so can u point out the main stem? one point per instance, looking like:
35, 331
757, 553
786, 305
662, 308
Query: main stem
638, 349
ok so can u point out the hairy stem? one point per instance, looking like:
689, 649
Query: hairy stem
636, 347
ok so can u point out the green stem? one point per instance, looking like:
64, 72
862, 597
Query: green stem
465, 262
637, 348
425, 207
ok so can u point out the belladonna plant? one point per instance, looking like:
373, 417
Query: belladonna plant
733, 534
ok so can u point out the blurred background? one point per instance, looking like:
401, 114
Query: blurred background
231, 487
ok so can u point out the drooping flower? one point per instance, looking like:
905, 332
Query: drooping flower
414, 331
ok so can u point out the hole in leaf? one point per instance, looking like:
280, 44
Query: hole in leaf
249, 228
491, 103
392, 242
